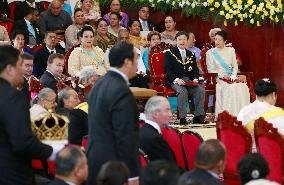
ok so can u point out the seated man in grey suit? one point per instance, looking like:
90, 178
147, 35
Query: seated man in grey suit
71, 166
158, 115
209, 163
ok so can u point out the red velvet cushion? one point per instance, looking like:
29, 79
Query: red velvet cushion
235, 146
173, 139
190, 144
273, 154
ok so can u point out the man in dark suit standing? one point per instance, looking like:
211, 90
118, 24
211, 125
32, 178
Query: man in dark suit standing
26, 24
71, 167
209, 163
18, 144
53, 73
21, 7
113, 116
41, 56
158, 115
144, 13
180, 67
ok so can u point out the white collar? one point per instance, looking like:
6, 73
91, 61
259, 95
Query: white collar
113, 69
153, 124
141, 20
69, 182
181, 50
28, 22
31, 4
215, 175
50, 50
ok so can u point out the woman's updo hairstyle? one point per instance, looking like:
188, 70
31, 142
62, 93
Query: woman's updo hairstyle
264, 87
223, 34
86, 28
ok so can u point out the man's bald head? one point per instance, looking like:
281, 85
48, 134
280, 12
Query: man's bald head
56, 7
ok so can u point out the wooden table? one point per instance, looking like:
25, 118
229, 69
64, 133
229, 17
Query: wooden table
143, 93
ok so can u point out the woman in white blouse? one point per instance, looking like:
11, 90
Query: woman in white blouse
231, 95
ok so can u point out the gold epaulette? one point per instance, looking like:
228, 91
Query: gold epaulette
83, 106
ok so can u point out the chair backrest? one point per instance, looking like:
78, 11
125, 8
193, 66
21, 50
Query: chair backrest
66, 58
271, 145
190, 142
35, 85
173, 138
8, 26
45, 4
12, 7
156, 63
236, 139
203, 59
144, 159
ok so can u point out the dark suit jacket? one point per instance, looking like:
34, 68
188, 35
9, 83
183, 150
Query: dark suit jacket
175, 68
48, 80
151, 26
18, 144
40, 60
203, 176
57, 182
113, 125
78, 126
22, 25
154, 145
25, 88
21, 7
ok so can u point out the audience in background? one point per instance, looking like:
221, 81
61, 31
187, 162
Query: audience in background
78, 117
21, 8
27, 69
91, 12
191, 46
55, 19
169, 35
41, 56
115, 7
18, 39
114, 25
251, 167
46, 100
71, 167
68, 99
113, 173
26, 24
71, 33
103, 38
153, 38
143, 14
134, 28
87, 54
53, 73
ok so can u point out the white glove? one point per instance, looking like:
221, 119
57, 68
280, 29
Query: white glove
233, 78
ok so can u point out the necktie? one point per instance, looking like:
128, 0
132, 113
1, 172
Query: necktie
183, 55
31, 29
145, 26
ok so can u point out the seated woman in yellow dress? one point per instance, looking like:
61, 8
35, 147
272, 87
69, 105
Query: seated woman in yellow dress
134, 28
231, 95
86, 54
103, 38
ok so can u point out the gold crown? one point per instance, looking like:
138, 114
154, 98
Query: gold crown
50, 126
